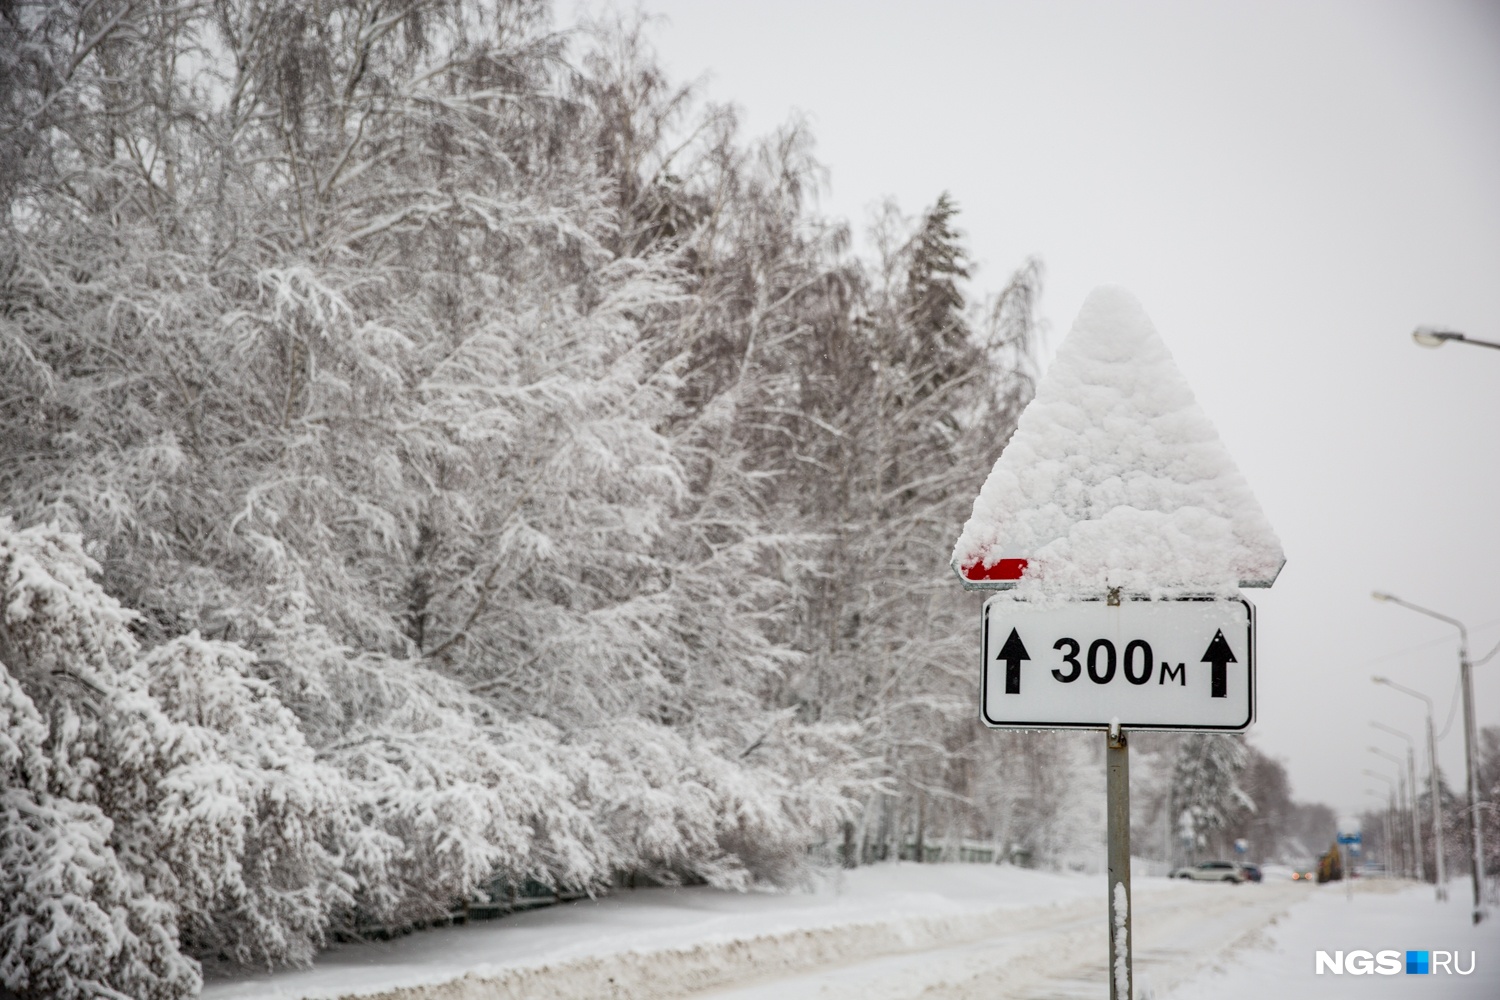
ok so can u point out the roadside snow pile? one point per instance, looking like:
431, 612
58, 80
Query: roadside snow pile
1116, 478
652, 941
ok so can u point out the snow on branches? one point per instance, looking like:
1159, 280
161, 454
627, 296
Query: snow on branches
84, 752
1205, 790
472, 493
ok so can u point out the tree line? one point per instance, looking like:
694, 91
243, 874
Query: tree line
438, 449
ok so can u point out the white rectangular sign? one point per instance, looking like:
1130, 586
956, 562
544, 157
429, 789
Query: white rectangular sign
1148, 664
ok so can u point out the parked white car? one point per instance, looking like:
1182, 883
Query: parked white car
1211, 871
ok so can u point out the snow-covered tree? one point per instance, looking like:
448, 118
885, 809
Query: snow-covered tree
1264, 783
74, 921
497, 462
1205, 788
1489, 795
257, 876
101, 787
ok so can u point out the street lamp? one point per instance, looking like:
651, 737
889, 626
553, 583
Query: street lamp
1401, 785
1389, 808
1431, 336
1388, 839
1466, 683
1432, 788
1411, 782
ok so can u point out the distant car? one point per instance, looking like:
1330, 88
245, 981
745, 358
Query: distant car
1301, 871
1252, 872
1211, 871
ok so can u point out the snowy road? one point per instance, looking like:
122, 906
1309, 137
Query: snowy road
913, 932
1181, 930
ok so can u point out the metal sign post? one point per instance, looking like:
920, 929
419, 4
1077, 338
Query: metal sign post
1117, 813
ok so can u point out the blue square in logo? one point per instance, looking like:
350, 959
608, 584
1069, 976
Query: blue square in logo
1416, 963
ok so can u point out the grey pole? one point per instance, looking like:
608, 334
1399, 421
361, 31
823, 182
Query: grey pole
1390, 832
1390, 791
1117, 813
1471, 748
1390, 810
1411, 782
1433, 801
1406, 865
1398, 832
1437, 810
1400, 807
1416, 831
1386, 825
1391, 852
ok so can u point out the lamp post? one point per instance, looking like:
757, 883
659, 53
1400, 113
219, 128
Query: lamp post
1400, 799
1432, 789
1431, 336
1411, 782
1389, 808
1371, 791
1466, 683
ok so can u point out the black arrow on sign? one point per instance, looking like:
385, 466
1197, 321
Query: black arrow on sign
1013, 652
1218, 653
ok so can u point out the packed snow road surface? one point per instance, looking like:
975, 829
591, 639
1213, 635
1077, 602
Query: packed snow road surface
1045, 952
937, 932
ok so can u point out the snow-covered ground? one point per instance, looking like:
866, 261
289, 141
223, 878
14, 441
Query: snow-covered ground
1281, 962
901, 931
904, 898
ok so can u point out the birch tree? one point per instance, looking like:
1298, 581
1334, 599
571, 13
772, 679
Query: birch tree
1206, 793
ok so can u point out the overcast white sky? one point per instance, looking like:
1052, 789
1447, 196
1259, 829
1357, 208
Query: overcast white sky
1289, 188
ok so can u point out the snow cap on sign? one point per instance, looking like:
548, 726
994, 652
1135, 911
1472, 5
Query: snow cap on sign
1116, 478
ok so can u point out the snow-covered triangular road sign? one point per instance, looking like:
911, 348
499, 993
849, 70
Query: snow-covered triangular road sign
1115, 478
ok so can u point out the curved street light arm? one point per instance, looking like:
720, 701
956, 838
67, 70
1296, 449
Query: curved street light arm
1463, 632
1388, 756
1431, 336
1404, 690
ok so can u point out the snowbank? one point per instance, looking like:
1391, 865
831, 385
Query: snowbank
637, 943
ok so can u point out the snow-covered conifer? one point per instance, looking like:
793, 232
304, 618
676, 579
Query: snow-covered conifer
1205, 789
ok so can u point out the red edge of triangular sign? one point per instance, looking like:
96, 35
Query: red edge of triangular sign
1005, 569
